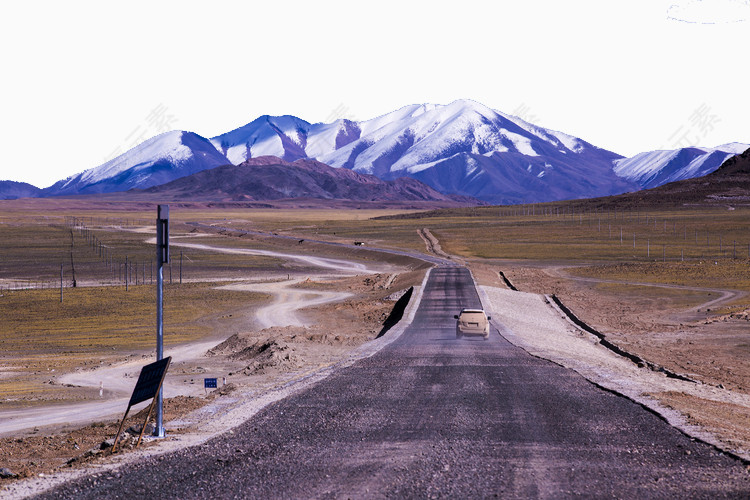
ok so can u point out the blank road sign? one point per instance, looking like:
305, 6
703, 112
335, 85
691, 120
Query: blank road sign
149, 381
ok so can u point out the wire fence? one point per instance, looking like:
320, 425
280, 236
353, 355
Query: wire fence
91, 261
640, 235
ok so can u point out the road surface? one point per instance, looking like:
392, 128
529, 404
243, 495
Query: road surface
433, 416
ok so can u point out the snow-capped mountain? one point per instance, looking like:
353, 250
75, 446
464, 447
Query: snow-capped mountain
463, 148
654, 168
161, 159
282, 136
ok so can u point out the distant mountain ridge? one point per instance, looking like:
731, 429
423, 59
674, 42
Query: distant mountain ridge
728, 186
271, 178
10, 190
655, 168
462, 148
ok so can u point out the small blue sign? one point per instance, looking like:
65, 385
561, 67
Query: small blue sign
209, 383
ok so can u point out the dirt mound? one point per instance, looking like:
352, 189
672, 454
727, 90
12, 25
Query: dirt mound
240, 343
264, 349
270, 354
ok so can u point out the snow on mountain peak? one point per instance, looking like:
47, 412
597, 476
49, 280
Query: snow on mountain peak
418, 139
167, 146
654, 168
462, 147
159, 159
266, 135
733, 147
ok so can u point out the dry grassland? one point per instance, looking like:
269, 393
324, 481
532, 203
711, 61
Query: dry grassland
42, 337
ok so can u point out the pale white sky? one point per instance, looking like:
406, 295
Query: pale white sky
82, 81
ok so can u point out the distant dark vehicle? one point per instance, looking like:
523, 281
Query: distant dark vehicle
472, 322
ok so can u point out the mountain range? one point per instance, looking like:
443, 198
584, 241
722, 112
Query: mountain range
268, 178
656, 168
726, 187
463, 148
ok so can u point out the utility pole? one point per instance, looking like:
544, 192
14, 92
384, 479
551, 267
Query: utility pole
162, 257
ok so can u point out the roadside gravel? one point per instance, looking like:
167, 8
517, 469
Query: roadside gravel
531, 322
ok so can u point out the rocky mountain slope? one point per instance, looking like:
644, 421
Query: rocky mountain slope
271, 178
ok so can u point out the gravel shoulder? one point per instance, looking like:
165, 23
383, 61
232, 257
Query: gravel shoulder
531, 322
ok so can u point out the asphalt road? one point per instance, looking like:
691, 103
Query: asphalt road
433, 416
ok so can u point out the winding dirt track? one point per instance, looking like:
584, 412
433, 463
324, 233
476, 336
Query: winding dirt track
118, 381
726, 295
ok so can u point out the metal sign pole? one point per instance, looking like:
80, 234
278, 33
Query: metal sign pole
162, 256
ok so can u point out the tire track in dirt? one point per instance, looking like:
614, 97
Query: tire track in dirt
119, 379
726, 295
433, 246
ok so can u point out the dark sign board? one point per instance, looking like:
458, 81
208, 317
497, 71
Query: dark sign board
162, 233
209, 383
149, 381
148, 385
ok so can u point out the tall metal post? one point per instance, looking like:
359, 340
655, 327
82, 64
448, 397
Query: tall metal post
162, 257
